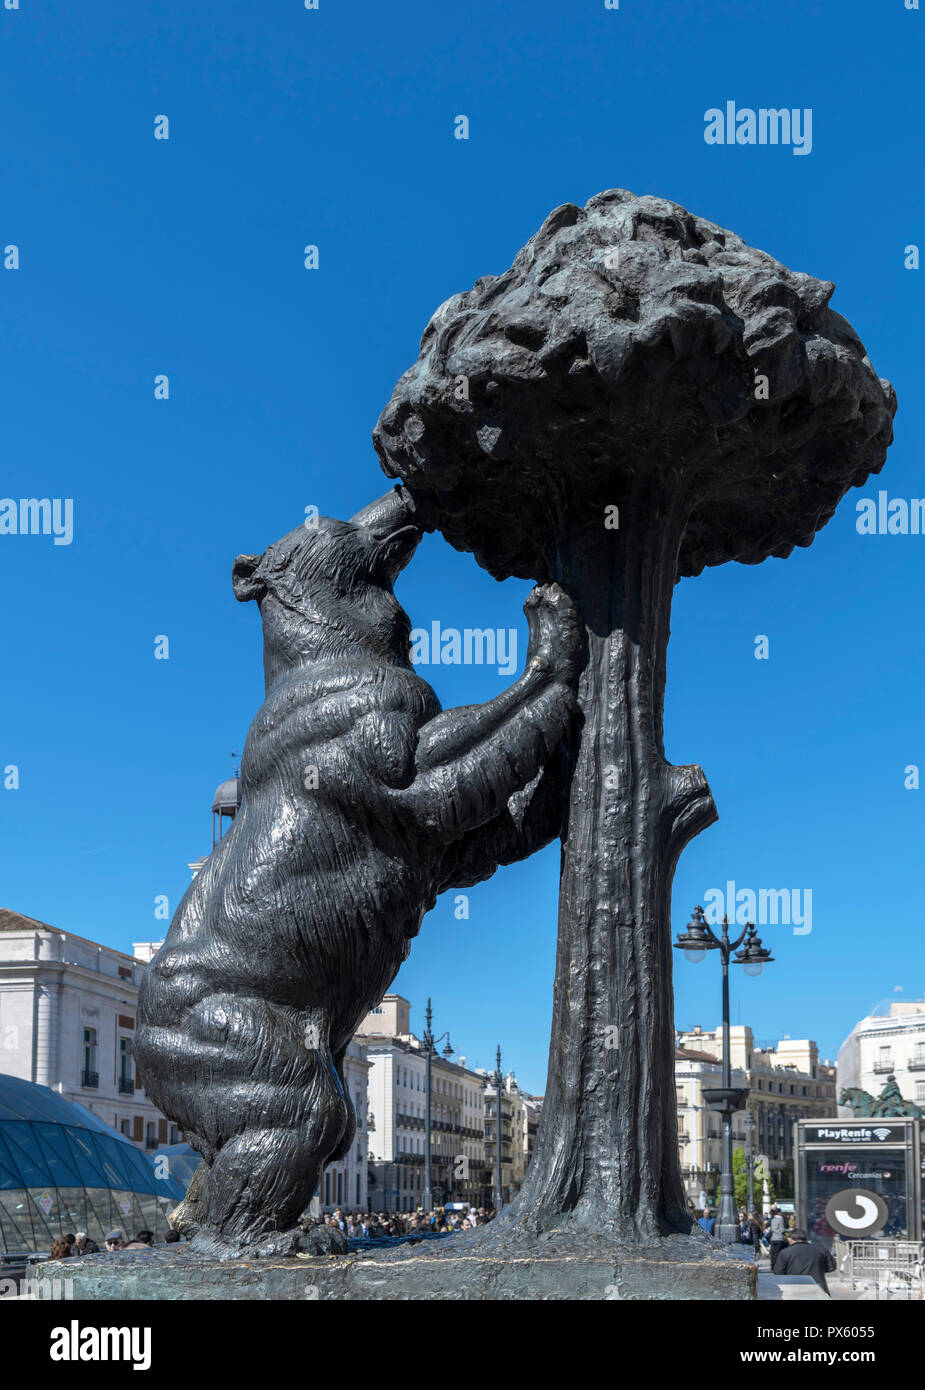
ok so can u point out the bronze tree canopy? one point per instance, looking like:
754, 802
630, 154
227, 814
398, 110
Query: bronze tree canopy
641, 395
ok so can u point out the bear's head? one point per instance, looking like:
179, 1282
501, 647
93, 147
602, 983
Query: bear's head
325, 590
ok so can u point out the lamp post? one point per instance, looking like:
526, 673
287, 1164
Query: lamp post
430, 1047
695, 942
499, 1183
750, 1131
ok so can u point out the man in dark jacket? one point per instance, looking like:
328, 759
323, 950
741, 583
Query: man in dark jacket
83, 1245
802, 1257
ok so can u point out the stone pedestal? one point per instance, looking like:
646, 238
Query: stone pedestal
558, 1267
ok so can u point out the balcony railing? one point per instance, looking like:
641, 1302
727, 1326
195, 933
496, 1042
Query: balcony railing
126, 1085
90, 1079
917, 1064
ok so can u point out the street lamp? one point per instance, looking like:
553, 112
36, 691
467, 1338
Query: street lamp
430, 1047
499, 1183
753, 957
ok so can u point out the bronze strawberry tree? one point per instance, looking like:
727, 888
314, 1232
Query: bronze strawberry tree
639, 396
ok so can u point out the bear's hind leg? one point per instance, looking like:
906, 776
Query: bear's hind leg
262, 1178
259, 1184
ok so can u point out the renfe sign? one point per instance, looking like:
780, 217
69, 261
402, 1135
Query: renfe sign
858, 1178
873, 1133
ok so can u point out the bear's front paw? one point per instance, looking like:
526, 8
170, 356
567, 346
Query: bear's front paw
556, 634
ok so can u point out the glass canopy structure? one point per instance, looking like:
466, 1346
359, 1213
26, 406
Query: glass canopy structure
63, 1170
182, 1162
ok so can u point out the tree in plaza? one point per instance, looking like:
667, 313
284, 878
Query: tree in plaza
639, 396
740, 1177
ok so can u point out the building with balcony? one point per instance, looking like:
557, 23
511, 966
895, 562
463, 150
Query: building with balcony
344, 1183
786, 1082
520, 1114
397, 1105
67, 1021
889, 1041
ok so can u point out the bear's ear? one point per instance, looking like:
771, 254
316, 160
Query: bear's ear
243, 579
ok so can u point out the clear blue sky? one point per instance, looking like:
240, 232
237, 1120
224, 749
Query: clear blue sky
335, 127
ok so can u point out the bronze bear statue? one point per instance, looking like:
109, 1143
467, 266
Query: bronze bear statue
361, 802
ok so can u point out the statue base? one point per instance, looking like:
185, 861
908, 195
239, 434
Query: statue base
560, 1266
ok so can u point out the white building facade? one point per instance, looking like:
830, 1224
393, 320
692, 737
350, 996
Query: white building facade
398, 1109
344, 1183
890, 1041
786, 1082
67, 1021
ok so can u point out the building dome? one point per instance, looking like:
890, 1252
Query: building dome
227, 798
63, 1170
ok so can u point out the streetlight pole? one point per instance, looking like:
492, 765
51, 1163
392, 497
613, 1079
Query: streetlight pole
499, 1182
430, 1045
727, 1099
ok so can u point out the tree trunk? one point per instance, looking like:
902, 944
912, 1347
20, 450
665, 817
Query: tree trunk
607, 1151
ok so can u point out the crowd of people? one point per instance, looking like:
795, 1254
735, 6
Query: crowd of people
81, 1244
789, 1249
384, 1224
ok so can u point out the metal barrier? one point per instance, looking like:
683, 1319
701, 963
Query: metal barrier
886, 1269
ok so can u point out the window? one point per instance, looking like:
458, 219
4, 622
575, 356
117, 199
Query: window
920, 1092
90, 1074
885, 1056
125, 1063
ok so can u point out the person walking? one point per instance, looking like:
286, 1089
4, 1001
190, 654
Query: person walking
777, 1236
803, 1257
